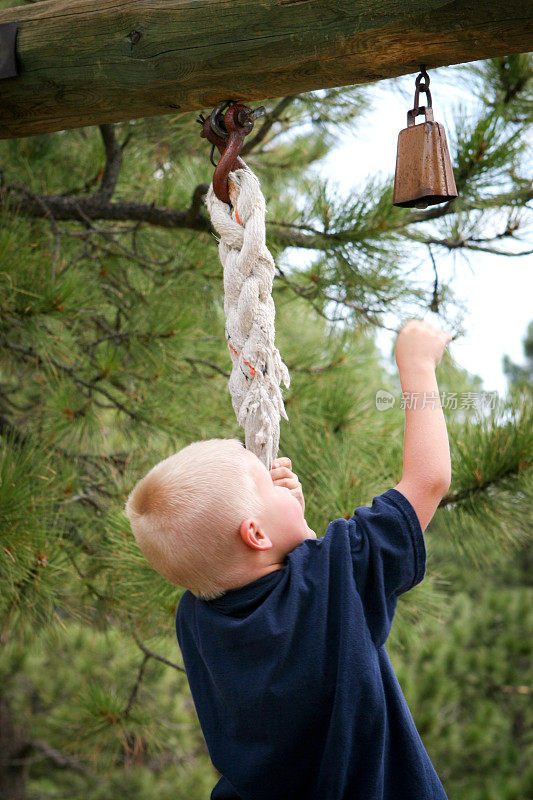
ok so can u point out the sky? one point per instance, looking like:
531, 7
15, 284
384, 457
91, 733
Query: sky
497, 291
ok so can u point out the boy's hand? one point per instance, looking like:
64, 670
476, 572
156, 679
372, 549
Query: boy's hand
282, 475
420, 344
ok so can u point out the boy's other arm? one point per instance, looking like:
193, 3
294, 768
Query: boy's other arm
426, 474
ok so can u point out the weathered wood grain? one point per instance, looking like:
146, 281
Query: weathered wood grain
78, 64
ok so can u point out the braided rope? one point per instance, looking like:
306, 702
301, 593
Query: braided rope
248, 265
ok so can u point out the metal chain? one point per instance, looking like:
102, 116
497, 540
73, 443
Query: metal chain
422, 87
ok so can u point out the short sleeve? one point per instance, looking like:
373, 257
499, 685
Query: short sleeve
389, 557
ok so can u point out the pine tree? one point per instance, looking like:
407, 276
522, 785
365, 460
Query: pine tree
112, 356
521, 376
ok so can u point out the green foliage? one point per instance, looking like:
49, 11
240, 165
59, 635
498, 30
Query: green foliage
468, 685
134, 583
504, 84
112, 356
32, 561
486, 151
87, 715
521, 377
480, 513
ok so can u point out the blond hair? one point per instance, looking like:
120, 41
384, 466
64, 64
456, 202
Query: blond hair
186, 512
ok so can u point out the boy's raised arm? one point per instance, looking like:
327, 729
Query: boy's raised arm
426, 472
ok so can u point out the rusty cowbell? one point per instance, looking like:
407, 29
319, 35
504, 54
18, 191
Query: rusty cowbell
424, 175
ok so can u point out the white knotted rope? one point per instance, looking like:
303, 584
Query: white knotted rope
249, 268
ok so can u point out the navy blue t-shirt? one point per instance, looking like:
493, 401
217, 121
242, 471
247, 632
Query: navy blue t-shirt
289, 674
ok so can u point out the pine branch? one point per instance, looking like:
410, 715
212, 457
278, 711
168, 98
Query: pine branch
47, 212
5, 394
7, 428
110, 236
59, 759
151, 653
268, 121
87, 585
465, 244
28, 353
113, 161
494, 251
319, 240
365, 312
92, 490
88, 547
208, 364
135, 690
92, 207
293, 367
121, 336
86, 499
22, 587
472, 491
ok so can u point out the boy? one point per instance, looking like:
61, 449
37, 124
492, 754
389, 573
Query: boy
283, 634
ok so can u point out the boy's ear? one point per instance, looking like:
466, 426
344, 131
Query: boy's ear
253, 536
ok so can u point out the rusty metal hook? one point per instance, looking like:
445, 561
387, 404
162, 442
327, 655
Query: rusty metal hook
227, 132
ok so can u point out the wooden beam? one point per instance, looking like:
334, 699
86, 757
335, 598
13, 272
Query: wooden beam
99, 61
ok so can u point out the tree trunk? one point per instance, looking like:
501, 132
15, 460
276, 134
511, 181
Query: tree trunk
104, 61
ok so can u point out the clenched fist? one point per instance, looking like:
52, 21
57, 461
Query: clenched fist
282, 475
420, 343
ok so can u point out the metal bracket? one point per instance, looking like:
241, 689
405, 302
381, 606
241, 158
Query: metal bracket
8, 60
